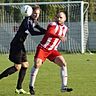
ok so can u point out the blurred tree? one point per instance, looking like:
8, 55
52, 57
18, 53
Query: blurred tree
92, 10
16, 13
2, 1
92, 6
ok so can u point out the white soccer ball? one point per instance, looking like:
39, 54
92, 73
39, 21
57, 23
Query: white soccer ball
26, 10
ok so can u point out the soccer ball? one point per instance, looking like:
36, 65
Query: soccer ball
26, 10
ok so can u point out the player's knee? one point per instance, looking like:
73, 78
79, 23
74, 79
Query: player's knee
25, 64
38, 63
60, 61
63, 63
18, 66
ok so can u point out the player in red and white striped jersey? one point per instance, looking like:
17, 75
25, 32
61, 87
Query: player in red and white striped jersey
51, 39
47, 49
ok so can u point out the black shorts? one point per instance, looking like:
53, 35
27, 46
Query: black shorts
17, 56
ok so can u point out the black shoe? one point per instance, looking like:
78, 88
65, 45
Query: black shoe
31, 90
66, 89
0, 76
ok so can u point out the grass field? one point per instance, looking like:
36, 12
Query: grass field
81, 70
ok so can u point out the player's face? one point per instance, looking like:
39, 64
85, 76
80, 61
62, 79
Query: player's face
35, 14
61, 18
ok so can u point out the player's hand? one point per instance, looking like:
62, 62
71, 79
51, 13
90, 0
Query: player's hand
63, 39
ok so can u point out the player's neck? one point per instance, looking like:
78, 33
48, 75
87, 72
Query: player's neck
60, 23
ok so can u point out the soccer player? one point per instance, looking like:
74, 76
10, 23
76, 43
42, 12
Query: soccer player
47, 49
17, 50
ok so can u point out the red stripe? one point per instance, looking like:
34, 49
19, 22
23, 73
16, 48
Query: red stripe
53, 39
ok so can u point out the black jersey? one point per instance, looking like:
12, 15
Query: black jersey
17, 52
27, 26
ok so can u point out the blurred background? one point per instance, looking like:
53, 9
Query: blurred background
92, 5
10, 19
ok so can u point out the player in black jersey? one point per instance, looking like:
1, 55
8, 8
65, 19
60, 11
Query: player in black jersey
17, 50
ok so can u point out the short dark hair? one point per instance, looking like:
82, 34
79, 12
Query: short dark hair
60, 11
36, 7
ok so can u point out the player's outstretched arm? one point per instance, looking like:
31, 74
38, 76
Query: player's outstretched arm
34, 32
41, 29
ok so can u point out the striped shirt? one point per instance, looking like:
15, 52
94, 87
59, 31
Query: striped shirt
51, 39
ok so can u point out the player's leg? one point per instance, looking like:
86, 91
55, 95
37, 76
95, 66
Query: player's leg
8, 72
60, 61
12, 57
16, 57
22, 73
34, 72
38, 60
20, 80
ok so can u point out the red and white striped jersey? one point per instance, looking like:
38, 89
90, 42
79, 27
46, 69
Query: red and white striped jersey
51, 39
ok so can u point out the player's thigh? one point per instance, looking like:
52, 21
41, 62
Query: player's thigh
41, 53
24, 60
40, 56
59, 60
53, 54
15, 57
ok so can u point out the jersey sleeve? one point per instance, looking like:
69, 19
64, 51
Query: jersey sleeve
41, 29
51, 30
34, 32
30, 29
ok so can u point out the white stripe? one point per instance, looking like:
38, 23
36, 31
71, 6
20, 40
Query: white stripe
27, 31
56, 29
54, 44
65, 30
47, 43
55, 48
34, 24
60, 31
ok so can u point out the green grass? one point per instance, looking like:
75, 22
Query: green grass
81, 70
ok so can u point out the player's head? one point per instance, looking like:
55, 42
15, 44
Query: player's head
60, 17
36, 12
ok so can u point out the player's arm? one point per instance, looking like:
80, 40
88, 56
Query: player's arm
29, 28
51, 31
34, 32
41, 29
